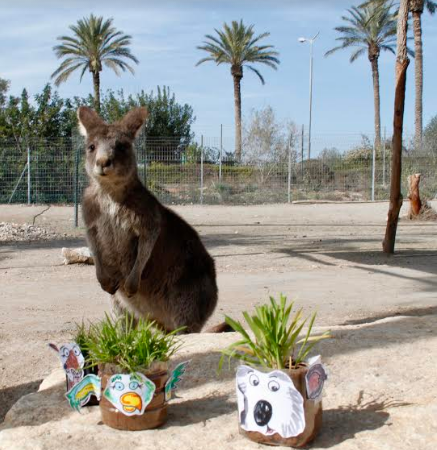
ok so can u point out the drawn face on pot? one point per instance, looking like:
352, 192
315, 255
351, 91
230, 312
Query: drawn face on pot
269, 403
130, 394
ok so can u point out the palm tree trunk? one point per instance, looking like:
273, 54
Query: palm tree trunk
418, 76
377, 102
96, 82
237, 75
402, 61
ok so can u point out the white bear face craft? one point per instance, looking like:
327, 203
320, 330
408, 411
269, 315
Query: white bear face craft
269, 403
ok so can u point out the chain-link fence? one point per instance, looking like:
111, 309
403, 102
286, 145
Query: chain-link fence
345, 167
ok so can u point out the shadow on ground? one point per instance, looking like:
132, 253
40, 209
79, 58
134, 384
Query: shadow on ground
10, 395
341, 424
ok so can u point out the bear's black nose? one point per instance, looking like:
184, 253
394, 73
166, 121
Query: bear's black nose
262, 413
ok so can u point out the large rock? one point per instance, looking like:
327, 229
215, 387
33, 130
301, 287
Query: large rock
381, 394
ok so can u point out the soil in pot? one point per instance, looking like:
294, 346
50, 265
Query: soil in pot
155, 413
313, 417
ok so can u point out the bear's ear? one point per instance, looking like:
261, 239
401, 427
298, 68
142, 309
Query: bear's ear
88, 120
133, 121
242, 371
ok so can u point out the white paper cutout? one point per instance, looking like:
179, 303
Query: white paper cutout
72, 362
79, 395
130, 394
269, 403
315, 378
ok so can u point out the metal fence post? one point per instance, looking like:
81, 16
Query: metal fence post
76, 181
29, 199
373, 170
301, 151
221, 152
289, 169
145, 156
383, 157
201, 170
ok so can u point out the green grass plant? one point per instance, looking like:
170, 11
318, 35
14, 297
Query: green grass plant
131, 345
275, 342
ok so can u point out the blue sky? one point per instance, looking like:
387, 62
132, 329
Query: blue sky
164, 38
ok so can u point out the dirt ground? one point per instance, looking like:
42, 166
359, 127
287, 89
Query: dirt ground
326, 256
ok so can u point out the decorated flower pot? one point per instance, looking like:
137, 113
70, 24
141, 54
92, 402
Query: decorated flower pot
281, 407
134, 401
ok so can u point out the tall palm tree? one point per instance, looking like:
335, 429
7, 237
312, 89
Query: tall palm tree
236, 45
370, 29
95, 42
416, 7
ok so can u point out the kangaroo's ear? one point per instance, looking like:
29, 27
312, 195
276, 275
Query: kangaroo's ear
88, 119
133, 121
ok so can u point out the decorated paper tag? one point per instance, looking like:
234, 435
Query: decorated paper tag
269, 403
72, 362
315, 379
174, 379
130, 394
80, 394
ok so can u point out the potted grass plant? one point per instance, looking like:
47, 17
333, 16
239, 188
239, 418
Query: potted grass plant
132, 358
278, 386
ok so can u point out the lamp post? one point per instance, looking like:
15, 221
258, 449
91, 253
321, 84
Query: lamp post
311, 41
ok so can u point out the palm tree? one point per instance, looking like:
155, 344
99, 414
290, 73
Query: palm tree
416, 7
371, 28
95, 42
236, 45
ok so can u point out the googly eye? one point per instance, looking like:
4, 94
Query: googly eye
133, 385
65, 353
254, 380
76, 350
273, 386
118, 385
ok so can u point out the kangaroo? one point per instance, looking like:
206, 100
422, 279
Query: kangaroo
147, 257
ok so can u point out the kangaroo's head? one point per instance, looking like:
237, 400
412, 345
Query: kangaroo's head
110, 156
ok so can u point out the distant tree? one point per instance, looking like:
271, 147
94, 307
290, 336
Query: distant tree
236, 45
95, 42
430, 137
4, 87
370, 29
266, 141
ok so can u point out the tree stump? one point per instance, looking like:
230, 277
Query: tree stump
414, 195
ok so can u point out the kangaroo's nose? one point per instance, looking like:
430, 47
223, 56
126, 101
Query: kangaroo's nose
262, 413
103, 162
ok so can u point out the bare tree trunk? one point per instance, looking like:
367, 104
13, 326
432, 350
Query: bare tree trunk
377, 102
237, 74
96, 82
414, 195
402, 62
418, 77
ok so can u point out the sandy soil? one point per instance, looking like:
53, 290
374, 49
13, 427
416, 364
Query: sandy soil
326, 256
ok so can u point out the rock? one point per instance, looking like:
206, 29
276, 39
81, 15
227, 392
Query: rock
380, 395
81, 255
25, 232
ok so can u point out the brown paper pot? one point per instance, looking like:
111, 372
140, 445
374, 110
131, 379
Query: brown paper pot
154, 415
313, 418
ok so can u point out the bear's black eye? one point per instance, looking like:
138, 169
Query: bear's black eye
254, 380
273, 386
92, 147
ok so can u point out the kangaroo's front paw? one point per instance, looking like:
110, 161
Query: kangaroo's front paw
131, 285
110, 286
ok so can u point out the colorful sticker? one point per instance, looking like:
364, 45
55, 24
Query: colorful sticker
130, 394
314, 380
72, 362
174, 379
80, 394
269, 403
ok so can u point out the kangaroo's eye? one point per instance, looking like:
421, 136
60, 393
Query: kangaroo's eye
92, 147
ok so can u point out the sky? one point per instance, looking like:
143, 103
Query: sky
165, 34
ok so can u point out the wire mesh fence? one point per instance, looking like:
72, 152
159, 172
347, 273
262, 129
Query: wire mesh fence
203, 171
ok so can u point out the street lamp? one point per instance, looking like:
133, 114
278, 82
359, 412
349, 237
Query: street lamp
311, 41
